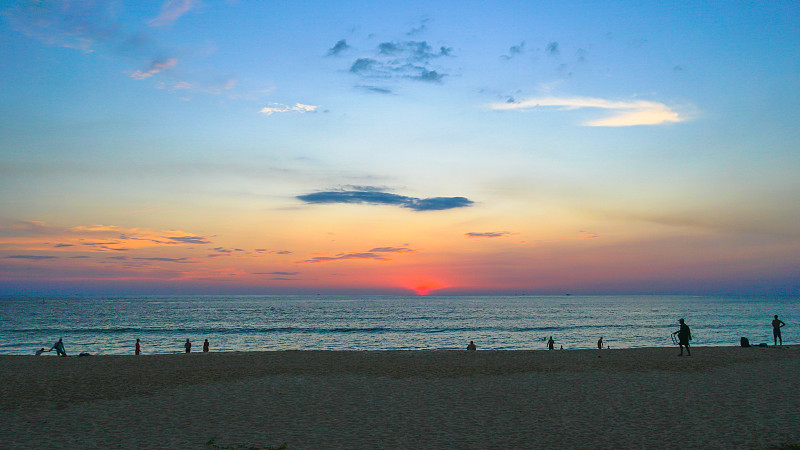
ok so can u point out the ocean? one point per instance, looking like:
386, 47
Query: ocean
111, 325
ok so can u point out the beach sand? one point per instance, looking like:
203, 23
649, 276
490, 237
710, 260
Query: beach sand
720, 397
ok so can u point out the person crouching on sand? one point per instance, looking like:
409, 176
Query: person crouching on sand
471, 346
684, 336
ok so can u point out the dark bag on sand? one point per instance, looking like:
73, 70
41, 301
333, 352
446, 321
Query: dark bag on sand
745, 342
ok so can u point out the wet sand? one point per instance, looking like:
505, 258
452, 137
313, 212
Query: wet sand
721, 397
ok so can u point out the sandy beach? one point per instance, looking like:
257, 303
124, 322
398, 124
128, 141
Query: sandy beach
720, 397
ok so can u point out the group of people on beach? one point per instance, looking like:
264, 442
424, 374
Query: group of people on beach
683, 335
137, 349
187, 346
58, 347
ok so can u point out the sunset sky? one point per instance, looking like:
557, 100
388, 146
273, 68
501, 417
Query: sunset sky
442, 147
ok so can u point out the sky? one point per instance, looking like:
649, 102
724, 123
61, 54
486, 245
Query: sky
421, 147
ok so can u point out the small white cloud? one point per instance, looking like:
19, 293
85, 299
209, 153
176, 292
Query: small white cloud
624, 114
279, 108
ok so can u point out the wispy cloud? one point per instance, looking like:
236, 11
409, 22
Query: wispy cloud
624, 113
423, 26
100, 26
338, 48
34, 235
378, 253
31, 257
373, 196
488, 234
552, 49
189, 239
155, 67
375, 89
159, 259
279, 108
412, 60
288, 274
514, 50
392, 250
172, 10
81, 25
276, 252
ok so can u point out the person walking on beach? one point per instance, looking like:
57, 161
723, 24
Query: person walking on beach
138, 348
471, 347
550, 343
600, 343
188, 346
59, 346
684, 336
776, 330
205, 346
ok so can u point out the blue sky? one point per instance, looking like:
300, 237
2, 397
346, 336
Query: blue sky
568, 146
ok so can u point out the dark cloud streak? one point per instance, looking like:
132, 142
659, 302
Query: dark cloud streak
402, 59
488, 234
190, 240
514, 50
175, 260
375, 197
31, 257
338, 48
288, 274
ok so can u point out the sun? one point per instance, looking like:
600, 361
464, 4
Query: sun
424, 287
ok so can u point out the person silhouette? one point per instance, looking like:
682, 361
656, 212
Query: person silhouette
138, 348
471, 346
205, 346
550, 343
188, 346
59, 346
600, 343
776, 330
684, 336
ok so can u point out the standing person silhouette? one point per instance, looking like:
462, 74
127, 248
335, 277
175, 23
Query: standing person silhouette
776, 330
205, 346
138, 348
188, 346
684, 336
550, 343
59, 346
600, 343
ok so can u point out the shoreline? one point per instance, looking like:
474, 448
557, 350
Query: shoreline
72, 353
641, 397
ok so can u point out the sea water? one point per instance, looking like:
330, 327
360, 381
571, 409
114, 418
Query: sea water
111, 325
